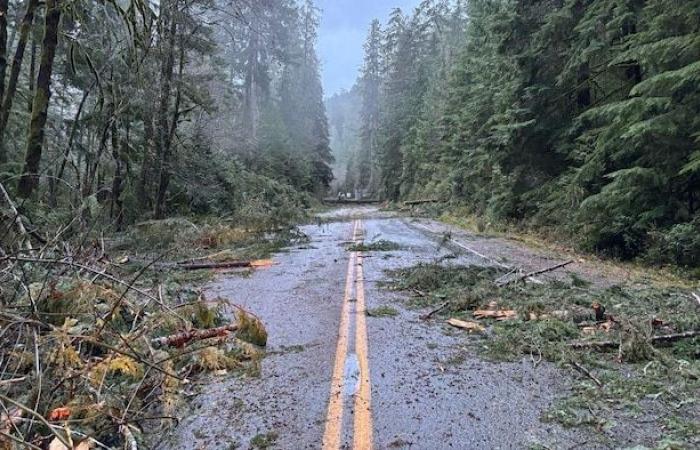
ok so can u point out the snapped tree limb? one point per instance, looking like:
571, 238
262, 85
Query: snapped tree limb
185, 337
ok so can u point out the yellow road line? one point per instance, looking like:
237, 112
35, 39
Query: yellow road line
362, 426
362, 436
334, 417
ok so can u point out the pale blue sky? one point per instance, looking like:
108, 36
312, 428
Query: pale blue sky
344, 25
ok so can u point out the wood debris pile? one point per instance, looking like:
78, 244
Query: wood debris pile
91, 360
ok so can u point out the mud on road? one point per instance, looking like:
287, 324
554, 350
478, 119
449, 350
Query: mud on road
420, 385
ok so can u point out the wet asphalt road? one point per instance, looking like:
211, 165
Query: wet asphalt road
429, 390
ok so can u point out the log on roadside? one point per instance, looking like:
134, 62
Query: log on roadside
223, 265
185, 337
420, 201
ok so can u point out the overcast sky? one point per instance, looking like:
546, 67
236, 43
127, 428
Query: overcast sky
344, 26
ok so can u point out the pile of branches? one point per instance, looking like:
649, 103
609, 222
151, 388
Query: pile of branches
91, 360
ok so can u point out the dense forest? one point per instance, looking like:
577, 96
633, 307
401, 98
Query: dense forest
115, 112
576, 117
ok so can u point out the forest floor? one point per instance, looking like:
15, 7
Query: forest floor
360, 353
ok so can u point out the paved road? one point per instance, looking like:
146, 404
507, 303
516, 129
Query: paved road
337, 378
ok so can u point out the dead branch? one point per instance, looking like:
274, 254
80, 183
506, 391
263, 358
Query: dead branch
222, 265
661, 339
434, 311
38, 416
586, 372
539, 272
97, 272
696, 297
12, 381
183, 338
130, 440
17, 219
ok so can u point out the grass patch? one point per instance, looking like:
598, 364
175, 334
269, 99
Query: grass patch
381, 245
635, 375
265, 440
382, 311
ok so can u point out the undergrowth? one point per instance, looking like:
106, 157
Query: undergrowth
633, 374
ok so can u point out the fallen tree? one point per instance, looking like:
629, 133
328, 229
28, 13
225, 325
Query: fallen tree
224, 265
420, 201
661, 339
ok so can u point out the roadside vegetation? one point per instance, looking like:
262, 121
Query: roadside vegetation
381, 245
143, 147
573, 119
632, 349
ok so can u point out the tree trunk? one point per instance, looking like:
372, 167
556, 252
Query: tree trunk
163, 131
9, 92
119, 155
35, 139
146, 169
3, 45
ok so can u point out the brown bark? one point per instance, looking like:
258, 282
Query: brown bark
9, 92
35, 139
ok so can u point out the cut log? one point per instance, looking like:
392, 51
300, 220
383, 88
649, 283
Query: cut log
185, 337
225, 265
420, 201
467, 325
661, 339
498, 314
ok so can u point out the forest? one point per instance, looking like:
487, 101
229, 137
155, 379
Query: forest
166, 170
112, 111
574, 118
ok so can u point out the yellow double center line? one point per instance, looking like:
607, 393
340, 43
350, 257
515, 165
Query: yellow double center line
362, 423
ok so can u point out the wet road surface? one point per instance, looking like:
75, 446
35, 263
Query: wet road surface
337, 378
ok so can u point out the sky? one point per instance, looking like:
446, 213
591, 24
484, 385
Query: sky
344, 25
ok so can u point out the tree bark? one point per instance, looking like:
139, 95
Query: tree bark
9, 92
35, 139
163, 131
3, 45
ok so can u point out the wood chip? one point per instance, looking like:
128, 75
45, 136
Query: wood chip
498, 314
467, 325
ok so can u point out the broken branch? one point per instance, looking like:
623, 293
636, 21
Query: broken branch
661, 339
434, 311
540, 272
586, 372
223, 265
420, 201
183, 338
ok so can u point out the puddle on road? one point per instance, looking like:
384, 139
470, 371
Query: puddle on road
351, 376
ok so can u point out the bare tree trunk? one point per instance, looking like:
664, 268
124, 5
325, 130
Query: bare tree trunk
116, 209
146, 169
3, 45
32, 76
35, 139
163, 147
8, 93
